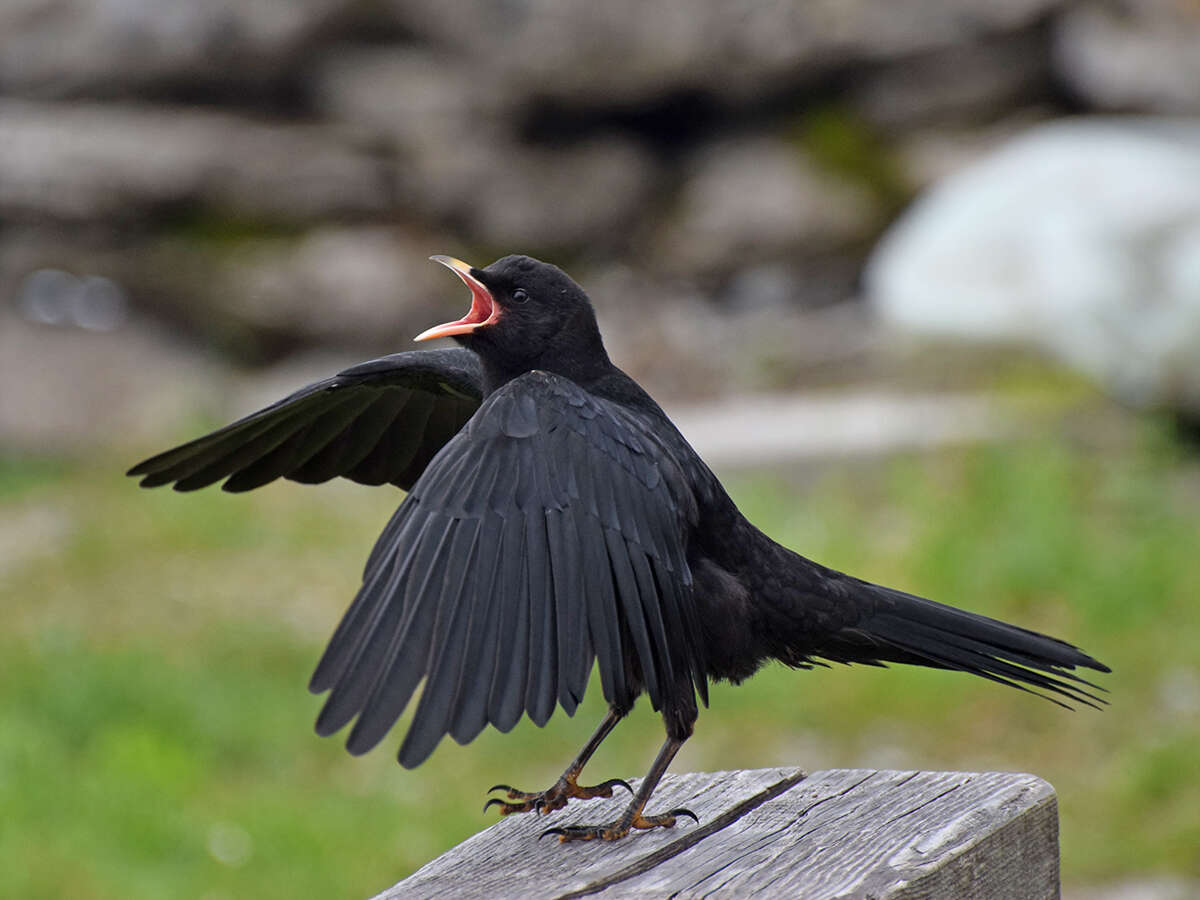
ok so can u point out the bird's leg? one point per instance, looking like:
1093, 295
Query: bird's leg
634, 816
567, 786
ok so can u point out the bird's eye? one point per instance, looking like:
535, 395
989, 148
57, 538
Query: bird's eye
519, 295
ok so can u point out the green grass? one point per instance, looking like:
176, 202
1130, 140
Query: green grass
157, 738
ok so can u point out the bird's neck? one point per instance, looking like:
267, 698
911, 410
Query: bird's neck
580, 357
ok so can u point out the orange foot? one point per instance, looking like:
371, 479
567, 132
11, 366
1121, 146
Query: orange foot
618, 829
556, 797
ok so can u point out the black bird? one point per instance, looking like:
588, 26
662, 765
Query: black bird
556, 519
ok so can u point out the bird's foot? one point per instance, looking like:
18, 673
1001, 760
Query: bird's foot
619, 829
555, 797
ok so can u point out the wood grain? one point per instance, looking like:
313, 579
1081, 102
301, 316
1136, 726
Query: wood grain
776, 833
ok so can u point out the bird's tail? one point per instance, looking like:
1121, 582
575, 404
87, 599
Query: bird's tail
908, 629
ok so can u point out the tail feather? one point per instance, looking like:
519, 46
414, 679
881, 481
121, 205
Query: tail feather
909, 629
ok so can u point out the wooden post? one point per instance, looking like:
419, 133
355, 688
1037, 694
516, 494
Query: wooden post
778, 833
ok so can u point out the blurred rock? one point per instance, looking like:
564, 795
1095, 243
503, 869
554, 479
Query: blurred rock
1081, 237
567, 48
588, 194
77, 48
529, 198
746, 200
741, 155
459, 161
928, 155
767, 429
672, 337
88, 162
68, 390
1132, 55
369, 286
794, 282
443, 99
965, 82
253, 296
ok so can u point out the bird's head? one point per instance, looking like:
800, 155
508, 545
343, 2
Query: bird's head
525, 314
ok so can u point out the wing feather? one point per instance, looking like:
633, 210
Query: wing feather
377, 422
395, 625
548, 535
470, 714
541, 683
353, 445
345, 639
397, 447
435, 709
567, 572
631, 610
603, 613
506, 699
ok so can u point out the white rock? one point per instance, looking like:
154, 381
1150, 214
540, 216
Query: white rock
1082, 237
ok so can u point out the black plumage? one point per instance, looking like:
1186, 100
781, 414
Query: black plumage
556, 520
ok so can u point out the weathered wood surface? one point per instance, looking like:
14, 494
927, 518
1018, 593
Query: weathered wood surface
777, 833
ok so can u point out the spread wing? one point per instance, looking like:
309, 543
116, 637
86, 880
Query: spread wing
374, 423
547, 534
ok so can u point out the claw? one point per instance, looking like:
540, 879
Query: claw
684, 812
570, 833
554, 797
506, 808
615, 782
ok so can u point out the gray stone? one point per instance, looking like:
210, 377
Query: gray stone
1134, 55
1081, 237
763, 429
531, 198
671, 335
410, 95
801, 281
458, 160
365, 286
970, 81
73, 48
589, 194
627, 50
89, 161
69, 390
753, 199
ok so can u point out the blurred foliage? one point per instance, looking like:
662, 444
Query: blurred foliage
844, 143
226, 231
157, 735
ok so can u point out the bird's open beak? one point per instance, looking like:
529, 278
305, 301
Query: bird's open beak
484, 309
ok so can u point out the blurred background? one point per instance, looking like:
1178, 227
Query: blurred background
920, 279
